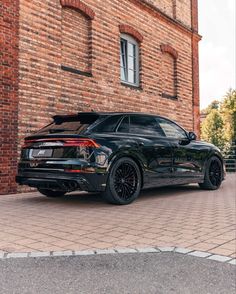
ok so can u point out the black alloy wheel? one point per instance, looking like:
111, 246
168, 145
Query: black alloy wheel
124, 182
213, 175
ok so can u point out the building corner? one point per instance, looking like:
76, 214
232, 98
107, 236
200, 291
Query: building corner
195, 67
9, 83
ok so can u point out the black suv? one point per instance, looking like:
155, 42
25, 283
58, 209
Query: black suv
117, 154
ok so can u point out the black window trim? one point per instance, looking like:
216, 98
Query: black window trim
120, 122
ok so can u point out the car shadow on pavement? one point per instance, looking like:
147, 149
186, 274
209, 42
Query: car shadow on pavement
95, 199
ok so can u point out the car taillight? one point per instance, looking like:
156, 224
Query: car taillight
81, 143
63, 143
27, 144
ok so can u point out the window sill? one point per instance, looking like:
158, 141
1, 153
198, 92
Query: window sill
139, 88
76, 71
164, 95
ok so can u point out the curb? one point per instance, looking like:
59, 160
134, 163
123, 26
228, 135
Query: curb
183, 251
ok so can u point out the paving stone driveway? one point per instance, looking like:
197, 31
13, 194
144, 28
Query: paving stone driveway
183, 217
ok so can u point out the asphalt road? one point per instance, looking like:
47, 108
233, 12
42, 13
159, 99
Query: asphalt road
125, 273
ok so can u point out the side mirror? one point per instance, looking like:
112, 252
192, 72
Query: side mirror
192, 136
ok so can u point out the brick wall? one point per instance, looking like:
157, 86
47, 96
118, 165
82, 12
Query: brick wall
58, 91
167, 6
168, 75
76, 30
55, 37
177, 9
8, 94
195, 67
183, 12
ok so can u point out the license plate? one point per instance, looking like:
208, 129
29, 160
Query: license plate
41, 153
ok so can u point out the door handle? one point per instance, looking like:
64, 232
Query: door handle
140, 144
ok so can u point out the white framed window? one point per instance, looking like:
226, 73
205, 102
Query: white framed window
129, 60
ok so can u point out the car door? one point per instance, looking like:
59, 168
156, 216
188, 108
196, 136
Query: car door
187, 158
155, 150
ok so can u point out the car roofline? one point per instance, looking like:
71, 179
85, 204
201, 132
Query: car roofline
105, 114
93, 113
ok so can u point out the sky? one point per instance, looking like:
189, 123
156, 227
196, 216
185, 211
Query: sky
216, 49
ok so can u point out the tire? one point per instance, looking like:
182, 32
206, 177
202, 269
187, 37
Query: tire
124, 182
52, 193
213, 174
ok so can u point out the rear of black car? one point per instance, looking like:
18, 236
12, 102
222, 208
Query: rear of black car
64, 156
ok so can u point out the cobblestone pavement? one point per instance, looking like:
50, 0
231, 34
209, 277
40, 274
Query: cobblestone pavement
183, 216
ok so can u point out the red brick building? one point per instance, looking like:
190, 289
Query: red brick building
63, 56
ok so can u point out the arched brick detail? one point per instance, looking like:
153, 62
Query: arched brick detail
79, 5
127, 29
168, 49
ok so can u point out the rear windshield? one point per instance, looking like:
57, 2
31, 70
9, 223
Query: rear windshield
71, 125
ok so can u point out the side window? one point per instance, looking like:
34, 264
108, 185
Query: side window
146, 125
124, 126
171, 130
108, 125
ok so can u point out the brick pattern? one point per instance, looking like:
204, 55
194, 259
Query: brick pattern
166, 6
131, 31
183, 12
64, 92
195, 68
79, 5
168, 75
184, 217
165, 48
9, 11
177, 9
169, 71
75, 42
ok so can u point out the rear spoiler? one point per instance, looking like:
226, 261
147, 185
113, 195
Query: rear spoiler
83, 117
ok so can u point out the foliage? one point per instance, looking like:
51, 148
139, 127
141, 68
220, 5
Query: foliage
219, 126
212, 129
228, 112
214, 105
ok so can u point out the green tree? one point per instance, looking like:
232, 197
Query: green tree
228, 112
214, 105
212, 129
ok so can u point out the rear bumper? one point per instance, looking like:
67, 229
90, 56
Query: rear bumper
64, 182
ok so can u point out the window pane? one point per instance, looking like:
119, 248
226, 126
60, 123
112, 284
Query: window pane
123, 60
122, 74
171, 130
124, 126
131, 75
131, 49
145, 125
131, 63
108, 125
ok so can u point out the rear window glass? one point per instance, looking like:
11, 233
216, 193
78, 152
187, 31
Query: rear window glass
70, 125
108, 125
